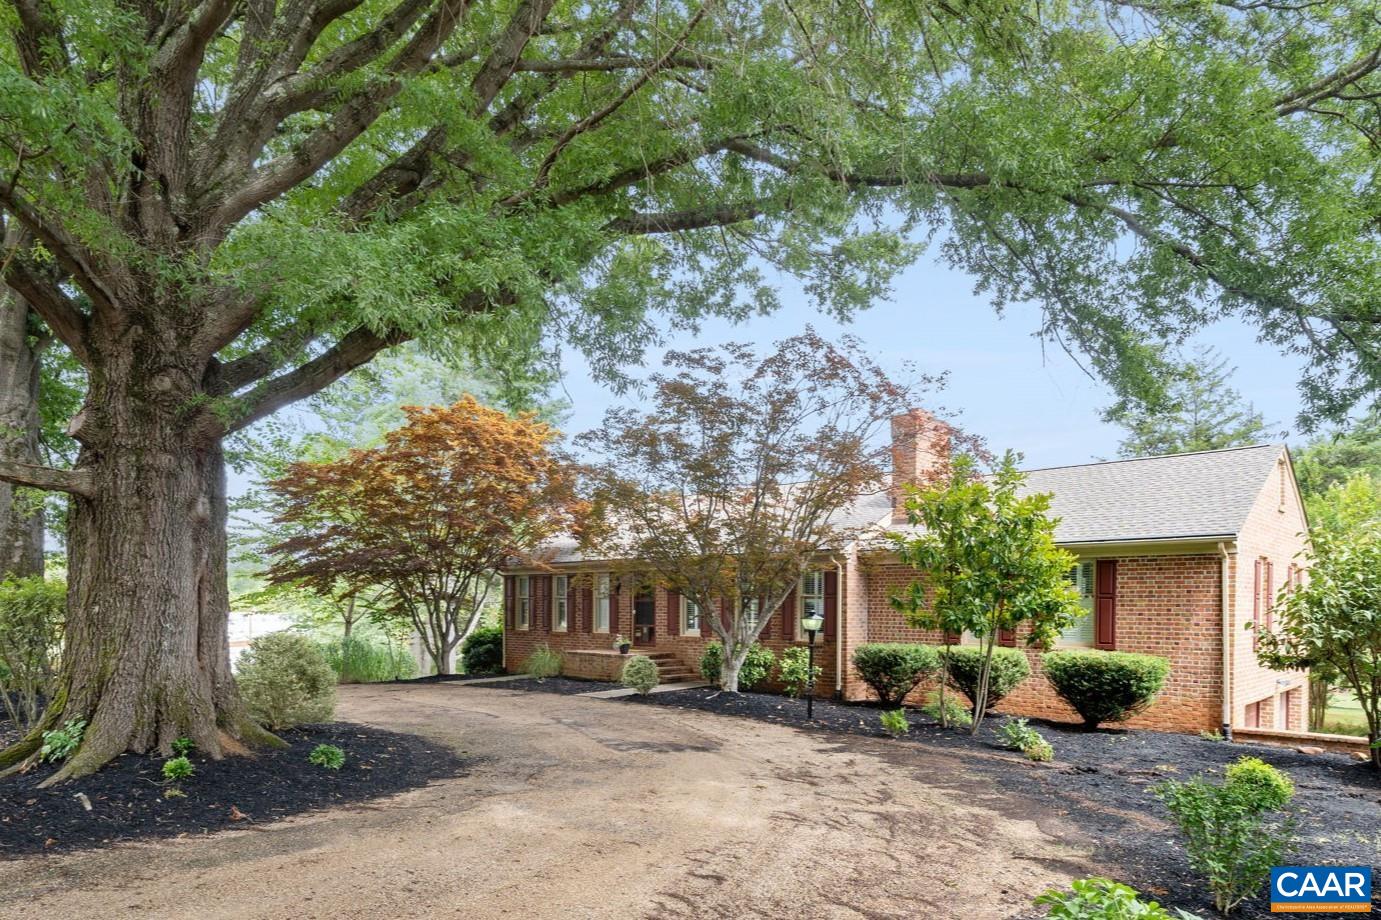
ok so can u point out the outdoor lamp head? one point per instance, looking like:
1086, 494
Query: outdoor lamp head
813, 623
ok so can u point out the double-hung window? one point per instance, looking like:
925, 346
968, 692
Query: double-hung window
690, 616
812, 595
602, 603
524, 601
560, 602
1079, 634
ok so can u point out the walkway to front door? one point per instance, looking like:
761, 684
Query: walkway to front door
644, 618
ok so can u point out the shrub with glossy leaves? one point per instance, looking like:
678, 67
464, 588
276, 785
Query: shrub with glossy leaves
757, 667
1105, 686
640, 674
482, 651
1009, 668
1260, 786
893, 669
544, 662
285, 680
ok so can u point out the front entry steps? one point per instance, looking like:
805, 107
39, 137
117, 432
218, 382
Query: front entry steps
672, 674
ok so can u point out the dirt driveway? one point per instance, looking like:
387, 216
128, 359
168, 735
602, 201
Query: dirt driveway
585, 808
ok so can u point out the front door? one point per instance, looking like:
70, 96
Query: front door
644, 618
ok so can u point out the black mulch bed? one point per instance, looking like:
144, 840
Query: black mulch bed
565, 686
442, 679
128, 799
1101, 782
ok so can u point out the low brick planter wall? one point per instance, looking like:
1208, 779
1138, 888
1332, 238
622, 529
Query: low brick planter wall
1343, 743
593, 665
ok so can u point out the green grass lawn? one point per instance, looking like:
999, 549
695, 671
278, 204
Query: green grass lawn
1344, 716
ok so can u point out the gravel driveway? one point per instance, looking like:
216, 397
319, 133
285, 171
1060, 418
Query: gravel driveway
586, 808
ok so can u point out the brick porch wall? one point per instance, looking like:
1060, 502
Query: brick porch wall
519, 644
1167, 606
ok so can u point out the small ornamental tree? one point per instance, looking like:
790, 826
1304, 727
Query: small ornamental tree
1332, 622
988, 564
428, 516
727, 485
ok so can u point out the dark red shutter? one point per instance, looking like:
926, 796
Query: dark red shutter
510, 585
1256, 605
788, 612
613, 606
541, 591
1007, 637
572, 616
950, 638
1105, 604
706, 629
673, 613
725, 616
587, 601
831, 603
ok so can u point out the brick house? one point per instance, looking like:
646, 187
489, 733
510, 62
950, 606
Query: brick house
1176, 555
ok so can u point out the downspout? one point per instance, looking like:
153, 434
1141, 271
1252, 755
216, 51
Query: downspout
838, 628
1226, 728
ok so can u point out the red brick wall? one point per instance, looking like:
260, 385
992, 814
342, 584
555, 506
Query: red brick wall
519, 644
1167, 606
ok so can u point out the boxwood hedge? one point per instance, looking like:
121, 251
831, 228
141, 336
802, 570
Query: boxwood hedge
1105, 686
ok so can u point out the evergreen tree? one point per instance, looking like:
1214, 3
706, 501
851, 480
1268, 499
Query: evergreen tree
1197, 409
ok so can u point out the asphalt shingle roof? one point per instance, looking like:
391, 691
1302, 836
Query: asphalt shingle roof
1156, 498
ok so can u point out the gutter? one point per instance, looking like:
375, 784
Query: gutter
838, 628
1226, 728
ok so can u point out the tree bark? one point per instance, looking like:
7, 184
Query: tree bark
21, 511
146, 659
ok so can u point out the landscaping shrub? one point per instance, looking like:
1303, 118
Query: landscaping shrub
955, 715
182, 747
894, 722
1017, 734
1009, 668
177, 768
640, 674
1259, 783
359, 661
1105, 686
544, 662
756, 667
1231, 835
893, 669
1103, 899
1038, 750
31, 616
285, 680
326, 756
794, 670
482, 651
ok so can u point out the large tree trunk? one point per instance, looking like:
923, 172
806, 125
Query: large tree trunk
21, 511
146, 659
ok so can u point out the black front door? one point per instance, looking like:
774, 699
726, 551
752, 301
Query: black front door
644, 618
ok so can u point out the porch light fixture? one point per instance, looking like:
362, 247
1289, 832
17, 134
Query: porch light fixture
812, 624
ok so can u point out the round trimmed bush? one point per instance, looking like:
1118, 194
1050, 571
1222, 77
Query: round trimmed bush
1105, 686
482, 651
1009, 668
285, 680
640, 674
756, 667
1260, 786
893, 669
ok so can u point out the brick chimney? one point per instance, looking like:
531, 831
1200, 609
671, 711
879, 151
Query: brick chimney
920, 453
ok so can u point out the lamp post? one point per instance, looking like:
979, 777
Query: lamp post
812, 623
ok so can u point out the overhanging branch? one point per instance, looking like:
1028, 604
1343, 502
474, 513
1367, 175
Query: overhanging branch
76, 482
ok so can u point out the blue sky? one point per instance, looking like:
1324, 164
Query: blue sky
1002, 384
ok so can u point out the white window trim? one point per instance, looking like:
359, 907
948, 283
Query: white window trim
603, 583
800, 611
685, 629
560, 603
523, 615
1086, 576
